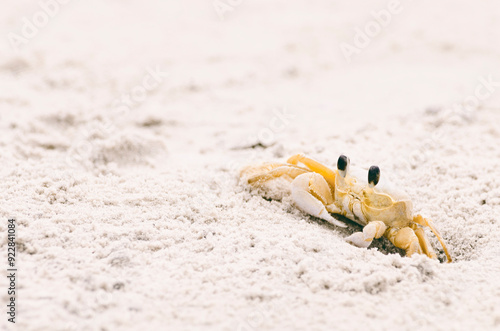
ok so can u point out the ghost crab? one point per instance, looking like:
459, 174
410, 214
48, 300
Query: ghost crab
379, 208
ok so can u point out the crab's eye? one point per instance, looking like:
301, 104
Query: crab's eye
373, 175
342, 165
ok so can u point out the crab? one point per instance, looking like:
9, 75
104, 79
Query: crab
381, 209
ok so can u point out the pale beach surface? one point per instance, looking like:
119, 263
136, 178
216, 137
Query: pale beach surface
124, 124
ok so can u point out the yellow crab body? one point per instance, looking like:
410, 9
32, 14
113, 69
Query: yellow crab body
380, 208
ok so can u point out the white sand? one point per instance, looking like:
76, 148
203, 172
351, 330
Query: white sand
135, 220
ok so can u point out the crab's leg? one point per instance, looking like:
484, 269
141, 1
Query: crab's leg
259, 174
315, 166
424, 242
311, 193
406, 239
372, 230
425, 222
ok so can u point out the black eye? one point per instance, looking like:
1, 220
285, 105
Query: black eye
342, 162
373, 175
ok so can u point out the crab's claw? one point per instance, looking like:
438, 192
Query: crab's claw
311, 194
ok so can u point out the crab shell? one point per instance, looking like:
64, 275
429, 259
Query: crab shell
381, 203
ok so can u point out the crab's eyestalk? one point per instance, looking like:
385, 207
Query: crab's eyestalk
373, 176
343, 165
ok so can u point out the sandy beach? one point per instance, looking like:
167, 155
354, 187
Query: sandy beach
124, 126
